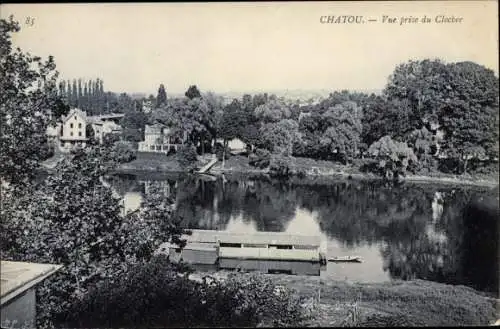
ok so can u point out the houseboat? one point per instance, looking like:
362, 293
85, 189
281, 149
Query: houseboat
267, 252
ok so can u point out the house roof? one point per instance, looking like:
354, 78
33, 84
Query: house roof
279, 238
17, 277
74, 111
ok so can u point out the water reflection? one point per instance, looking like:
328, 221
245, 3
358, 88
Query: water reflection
438, 233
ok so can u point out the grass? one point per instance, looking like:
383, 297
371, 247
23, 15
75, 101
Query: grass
419, 303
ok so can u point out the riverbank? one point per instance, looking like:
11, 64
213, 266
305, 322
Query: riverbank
154, 162
397, 303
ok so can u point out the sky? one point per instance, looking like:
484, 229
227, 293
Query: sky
245, 47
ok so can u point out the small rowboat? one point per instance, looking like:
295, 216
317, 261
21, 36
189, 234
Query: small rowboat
350, 259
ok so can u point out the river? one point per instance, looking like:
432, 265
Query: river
433, 232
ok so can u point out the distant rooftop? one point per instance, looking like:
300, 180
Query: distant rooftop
17, 277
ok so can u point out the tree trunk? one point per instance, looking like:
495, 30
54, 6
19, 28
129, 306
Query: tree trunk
202, 145
224, 152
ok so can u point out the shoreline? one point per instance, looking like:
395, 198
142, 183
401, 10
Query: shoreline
312, 173
421, 302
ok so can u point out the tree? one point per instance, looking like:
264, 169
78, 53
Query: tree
461, 98
394, 157
273, 110
280, 137
162, 96
27, 101
193, 92
343, 135
469, 114
74, 220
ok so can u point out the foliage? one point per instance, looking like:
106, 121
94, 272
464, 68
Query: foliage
192, 92
273, 110
344, 132
280, 137
394, 157
162, 96
280, 167
133, 123
123, 152
461, 98
222, 151
72, 219
186, 156
260, 159
26, 103
154, 295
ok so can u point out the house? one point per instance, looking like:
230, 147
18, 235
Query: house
72, 131
18, 302
101, 128
234, 145
160, 139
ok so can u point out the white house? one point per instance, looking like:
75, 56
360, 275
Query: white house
72, 130
160, 139
235, 145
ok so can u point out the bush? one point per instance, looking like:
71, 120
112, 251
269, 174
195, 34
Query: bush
280, 167
260, 159
123, 152
186, 156
154, 295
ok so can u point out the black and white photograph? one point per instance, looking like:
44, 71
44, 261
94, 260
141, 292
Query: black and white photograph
249, 164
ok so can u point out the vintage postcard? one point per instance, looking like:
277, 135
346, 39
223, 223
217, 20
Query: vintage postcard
248, 164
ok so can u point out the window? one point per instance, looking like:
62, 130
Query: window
61, 132
152, 148
79, 133
71, 133
280, 246
79, 125
231, 245
254, 245
71, 125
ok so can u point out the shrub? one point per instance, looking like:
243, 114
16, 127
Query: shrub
123, 152
260, 159
280, 167
153, 294
186, 156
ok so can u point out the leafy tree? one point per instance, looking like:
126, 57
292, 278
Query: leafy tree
186, 156
133, 123
162, 96
469, 114
74, 220
193, 92
423, 142
273, 110
394, 157
344, 132
280, 137
462, 98
28, 98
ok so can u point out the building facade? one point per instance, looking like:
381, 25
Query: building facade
72, 131
160, 139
